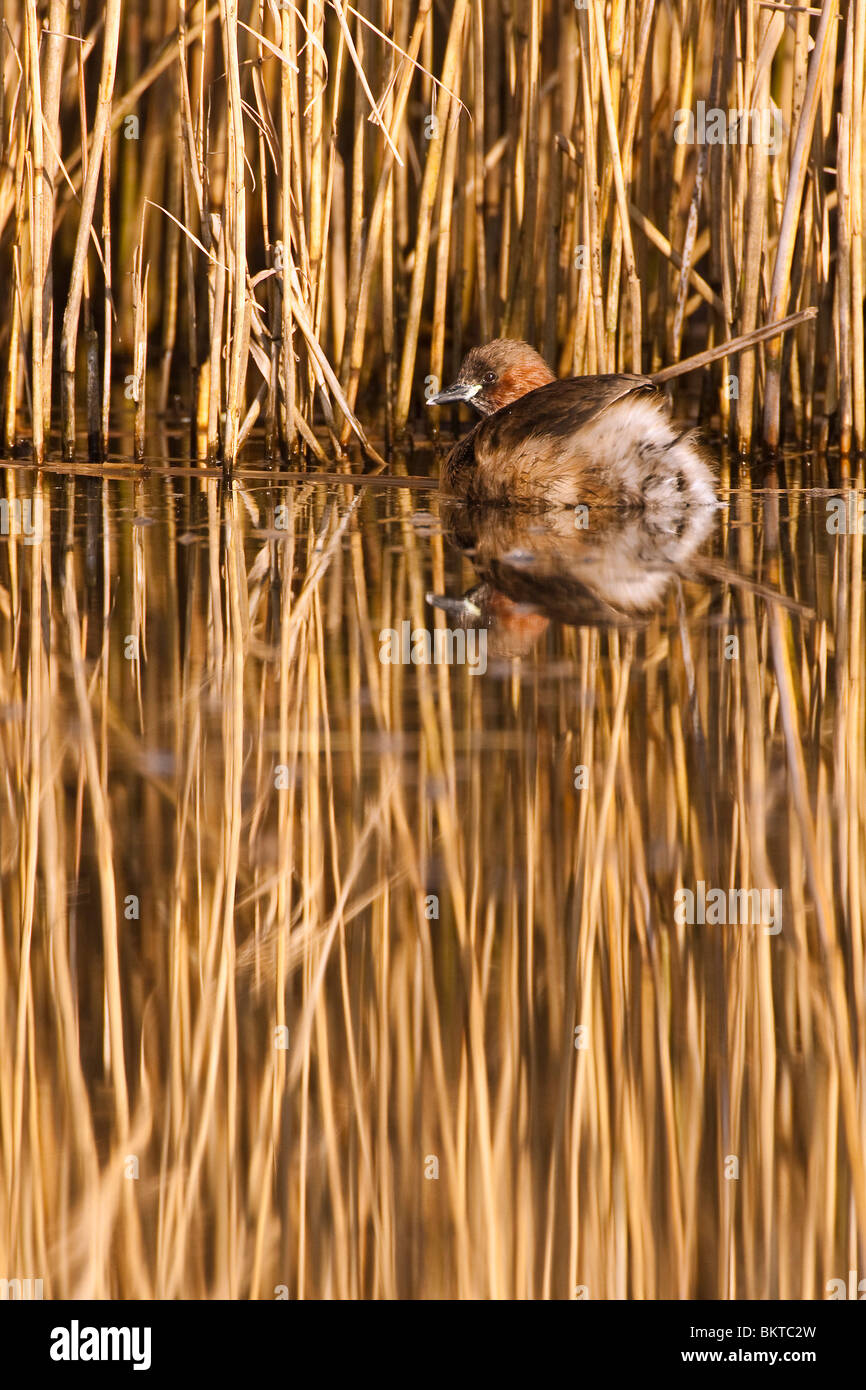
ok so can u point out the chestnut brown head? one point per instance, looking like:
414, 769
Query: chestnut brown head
495, 375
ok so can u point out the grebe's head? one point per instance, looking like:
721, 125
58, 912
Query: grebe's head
495, 375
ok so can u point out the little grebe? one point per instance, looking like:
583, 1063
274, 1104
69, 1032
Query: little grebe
603, 441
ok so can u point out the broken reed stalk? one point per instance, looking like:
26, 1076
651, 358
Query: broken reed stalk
790, 219
139, 347
401, 250
235, 204
427, 198
733, 345
54, 46
37, 245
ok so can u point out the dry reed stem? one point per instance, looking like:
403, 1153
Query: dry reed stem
69, 334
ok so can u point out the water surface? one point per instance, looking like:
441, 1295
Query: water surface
330, 976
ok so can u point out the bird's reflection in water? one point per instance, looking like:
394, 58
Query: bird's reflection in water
607, 567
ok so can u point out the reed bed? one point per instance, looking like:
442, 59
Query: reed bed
295, 943
319, 977
290, 217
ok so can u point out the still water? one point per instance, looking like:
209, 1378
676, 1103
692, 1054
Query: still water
342, 959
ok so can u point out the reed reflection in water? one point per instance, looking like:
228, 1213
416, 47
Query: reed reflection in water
295, 944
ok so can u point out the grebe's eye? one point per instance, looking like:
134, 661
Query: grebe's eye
488, 378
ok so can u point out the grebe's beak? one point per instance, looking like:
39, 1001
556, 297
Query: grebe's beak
456, 392
462, 607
